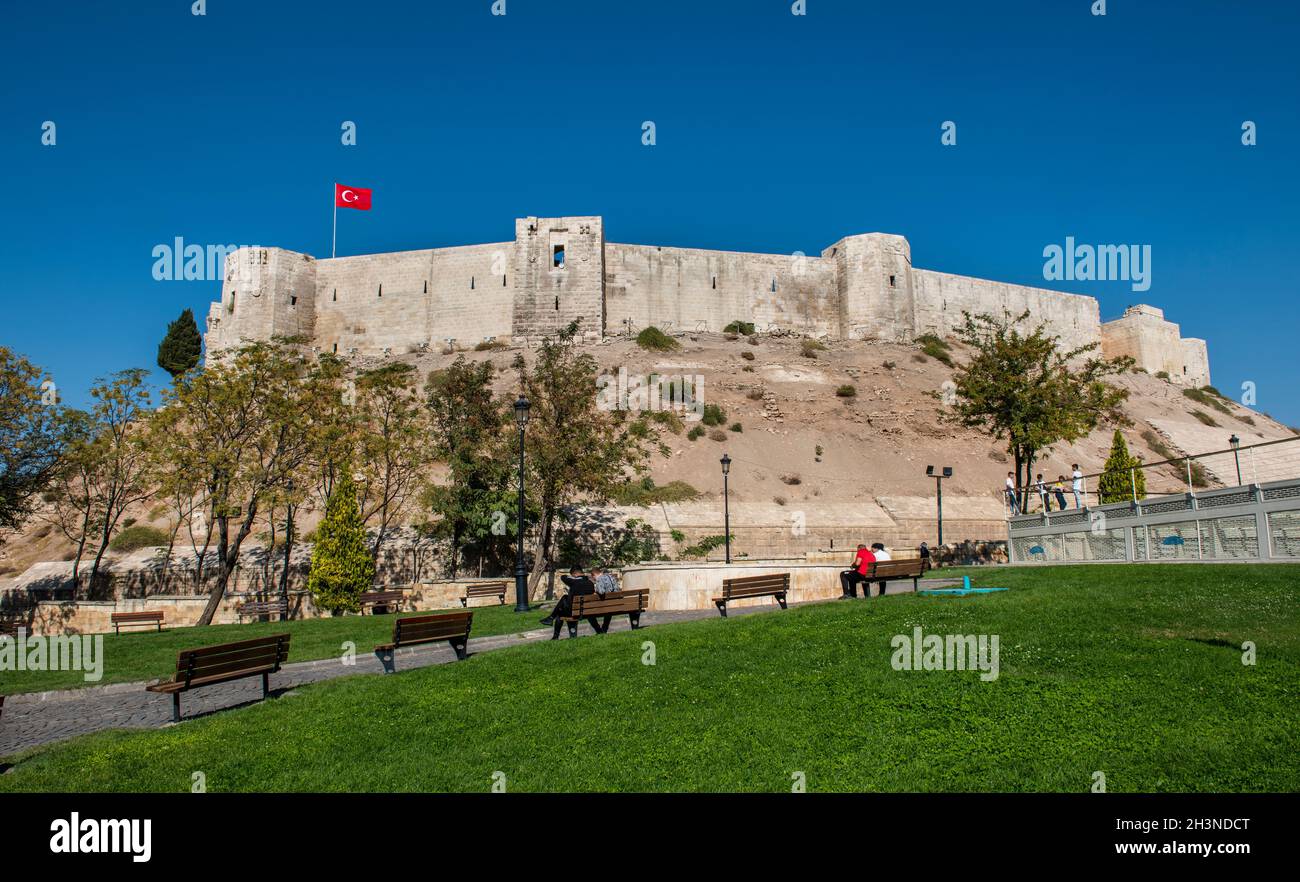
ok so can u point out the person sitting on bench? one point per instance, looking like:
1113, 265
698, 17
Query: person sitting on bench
881, 553
849, 579
605, 581
577, 584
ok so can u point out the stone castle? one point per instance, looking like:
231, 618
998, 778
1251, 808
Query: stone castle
560, 269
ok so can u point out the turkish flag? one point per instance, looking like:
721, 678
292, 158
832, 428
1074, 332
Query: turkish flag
352, 197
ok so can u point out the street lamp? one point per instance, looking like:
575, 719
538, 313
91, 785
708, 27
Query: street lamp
726, 509
521, 574
1236, 455
938, 485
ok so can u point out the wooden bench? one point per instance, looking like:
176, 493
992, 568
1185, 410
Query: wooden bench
484, 589
259, 608
222, 663
136, 618
776, 585
888, 570
414, 630
604, 606
390, 600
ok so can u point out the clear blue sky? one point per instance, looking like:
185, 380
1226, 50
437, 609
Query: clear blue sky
775, 133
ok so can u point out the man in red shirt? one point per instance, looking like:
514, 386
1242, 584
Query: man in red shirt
849, 579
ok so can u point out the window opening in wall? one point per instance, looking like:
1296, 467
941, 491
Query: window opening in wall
336, 347
293, 301
773, 283
336, 294
715, 283
891, 282
557, 257
471, 283
381, 290
426, 286
503, 281
557, 303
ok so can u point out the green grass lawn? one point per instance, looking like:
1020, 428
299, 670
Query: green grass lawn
1133, 671
147, 655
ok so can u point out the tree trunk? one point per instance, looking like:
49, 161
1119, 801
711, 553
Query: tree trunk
542, 562
229, 558
288, 553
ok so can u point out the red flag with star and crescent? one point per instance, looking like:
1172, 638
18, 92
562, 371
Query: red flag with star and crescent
352, 197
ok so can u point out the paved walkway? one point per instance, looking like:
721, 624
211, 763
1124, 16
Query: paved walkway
34, 719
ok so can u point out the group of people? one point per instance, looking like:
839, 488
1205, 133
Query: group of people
601, 581
862, 562
1046, 491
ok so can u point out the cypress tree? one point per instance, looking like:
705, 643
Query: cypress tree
1121, 471
341, 565
182, 347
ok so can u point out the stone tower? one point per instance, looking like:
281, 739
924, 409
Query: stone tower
559, 276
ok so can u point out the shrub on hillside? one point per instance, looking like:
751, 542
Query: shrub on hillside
491, 346
737, 427
936, 348
714, 415
810, 348
738, 327
646, 492
717, 435
791, 480
694, 433
747, 355
846, 391
1202, 396
656, 340
1204, 418
138, 536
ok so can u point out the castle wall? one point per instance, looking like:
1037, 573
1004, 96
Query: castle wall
691, 289
1156, 345
413, 299
1196, 361
552, 291
875, 287
560, 269
941, 297
265, 292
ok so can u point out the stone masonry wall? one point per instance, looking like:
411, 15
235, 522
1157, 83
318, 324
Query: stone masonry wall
560, 269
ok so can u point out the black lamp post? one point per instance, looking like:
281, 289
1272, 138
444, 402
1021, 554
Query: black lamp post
521, 574
1236, 455
726, 508
938, 486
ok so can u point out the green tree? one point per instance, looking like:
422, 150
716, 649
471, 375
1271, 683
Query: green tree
1022, 387
475, 506
115, 465
31, 437
575, 449
1123, 478
392, 445
341, 565
241, 430
182, 347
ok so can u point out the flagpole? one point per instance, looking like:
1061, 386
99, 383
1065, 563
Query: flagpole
335, 241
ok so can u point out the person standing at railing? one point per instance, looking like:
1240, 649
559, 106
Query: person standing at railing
1078, 486
1059, 489
1011, 495
1041, 487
